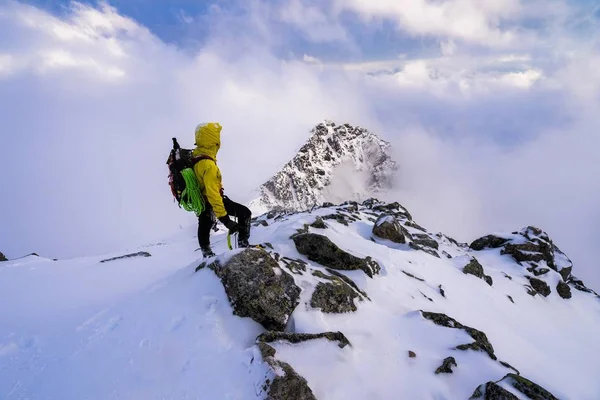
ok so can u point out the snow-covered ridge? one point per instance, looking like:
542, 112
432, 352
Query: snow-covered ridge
306, 180
374, 306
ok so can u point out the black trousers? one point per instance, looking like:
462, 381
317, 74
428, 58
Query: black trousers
205, 221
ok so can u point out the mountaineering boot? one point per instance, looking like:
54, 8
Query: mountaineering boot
243, 243
207, 252
244, 234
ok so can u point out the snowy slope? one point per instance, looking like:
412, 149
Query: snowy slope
152, 328
338, 162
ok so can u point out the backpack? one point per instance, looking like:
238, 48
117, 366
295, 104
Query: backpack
182, 179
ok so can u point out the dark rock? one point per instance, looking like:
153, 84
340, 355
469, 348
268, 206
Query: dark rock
427, 297
320, 249
563, 290
538, 272
287, 384
2, 257
445, 253
295, 267
579, 285
388, 227
510, 298
412, 354
255, 290
442, 292
138, 254
335, 297
319, 223
412, 276
273, 336
488, 279
540, 286
348, 281
341, 218
446, 367
474, 268
492, 391
414, 225
531, 291
489, 241
264, 223
507, 365
327, 204
507, 276
425, 241
430, 251
481, 342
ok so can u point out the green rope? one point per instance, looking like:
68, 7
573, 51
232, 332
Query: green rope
191, 198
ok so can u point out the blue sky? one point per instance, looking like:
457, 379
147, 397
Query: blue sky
492, 108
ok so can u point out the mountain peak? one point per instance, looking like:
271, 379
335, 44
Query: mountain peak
336, 162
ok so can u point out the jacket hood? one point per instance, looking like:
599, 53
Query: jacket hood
208, 140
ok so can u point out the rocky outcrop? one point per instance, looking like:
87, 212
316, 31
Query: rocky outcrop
2, 257
286, 383
488, 242
322, 250
540, 286
531, 247
258, 288
493, 391
481, 342
319, 223
446, 367
274, 336
563, 290
476, 269
388, 227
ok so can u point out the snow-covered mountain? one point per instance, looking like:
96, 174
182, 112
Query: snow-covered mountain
337, 162
356, 301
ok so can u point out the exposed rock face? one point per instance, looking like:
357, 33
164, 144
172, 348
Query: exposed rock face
258, 288
481, 342
540, 286
532, 247
301, 182
320, 249
476, 269
2, 257
319, 223
388, 227
493, 391
563, 290
273, 336
446, 367
287, 384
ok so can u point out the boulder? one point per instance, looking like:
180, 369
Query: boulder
446, 367
388, 227
287, 384
428, 250
258, 288
563, 290
540, 286
481, 342
425, 241
476, 269
489, 241
321, 249
2, 257
334, 297
493, 391
319, 223
131, 255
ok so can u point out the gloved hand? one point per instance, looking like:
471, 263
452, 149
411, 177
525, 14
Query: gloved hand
229, 224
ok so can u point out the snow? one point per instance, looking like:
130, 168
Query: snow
152, 328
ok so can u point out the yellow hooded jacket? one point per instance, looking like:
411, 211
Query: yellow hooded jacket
208, 142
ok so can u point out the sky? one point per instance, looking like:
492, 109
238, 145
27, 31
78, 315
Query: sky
492, 108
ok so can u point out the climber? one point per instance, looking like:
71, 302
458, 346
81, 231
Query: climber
208, 142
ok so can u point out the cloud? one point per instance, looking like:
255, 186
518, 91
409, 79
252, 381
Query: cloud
494, 126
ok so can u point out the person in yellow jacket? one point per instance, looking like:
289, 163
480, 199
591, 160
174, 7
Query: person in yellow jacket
208, 143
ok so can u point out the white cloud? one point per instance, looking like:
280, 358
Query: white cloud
471, 20
313, 22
